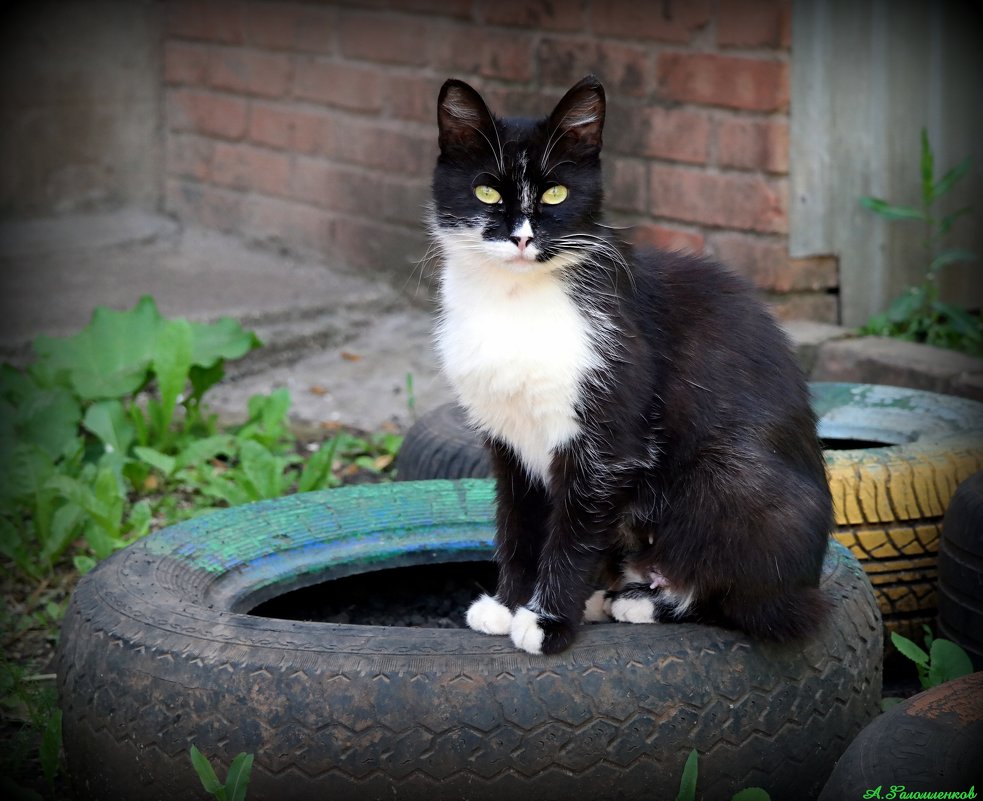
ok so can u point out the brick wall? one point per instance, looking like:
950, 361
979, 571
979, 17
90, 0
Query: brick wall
313, 124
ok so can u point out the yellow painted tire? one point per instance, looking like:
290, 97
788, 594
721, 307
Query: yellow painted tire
890, 495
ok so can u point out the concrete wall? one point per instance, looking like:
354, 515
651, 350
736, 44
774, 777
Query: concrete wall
313, 124
79, 106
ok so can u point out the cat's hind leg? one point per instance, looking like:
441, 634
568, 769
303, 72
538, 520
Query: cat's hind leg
652, 602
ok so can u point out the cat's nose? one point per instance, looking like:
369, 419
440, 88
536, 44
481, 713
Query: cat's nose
520, 242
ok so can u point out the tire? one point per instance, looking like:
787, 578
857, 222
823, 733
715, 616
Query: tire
899, 455
157, 653
961, 569
441, 445
930, 743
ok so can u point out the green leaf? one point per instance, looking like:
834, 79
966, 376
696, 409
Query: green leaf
751, 794
202, 450
171, 366
964, 323
906, 305
949, 661
139, 520
205, 771
909, 649
204, 378
927, 169
223, 339
945, 225
317, 471
952, 256
48, 418
108, 421
66, 524
889, 211
263, 470
687, 784
50, 747
953, 176
110, 357
83, 564
166, 464
237, 779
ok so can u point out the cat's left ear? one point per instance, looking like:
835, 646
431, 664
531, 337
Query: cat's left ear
463, 119
579, 116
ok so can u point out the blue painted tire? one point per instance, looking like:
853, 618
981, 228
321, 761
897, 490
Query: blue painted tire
157, 652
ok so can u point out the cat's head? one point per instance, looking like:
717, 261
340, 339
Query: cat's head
518, 194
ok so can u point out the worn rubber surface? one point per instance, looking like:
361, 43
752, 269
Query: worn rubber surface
888, 500
156, 653
961, 569
930, 743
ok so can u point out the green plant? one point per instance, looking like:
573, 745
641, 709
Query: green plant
944, 661
687, 784
29, 701
236, 780
918, 314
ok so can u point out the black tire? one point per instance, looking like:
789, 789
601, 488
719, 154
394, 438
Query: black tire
961, 569
930, 743
156, 653
441, 445
899, 455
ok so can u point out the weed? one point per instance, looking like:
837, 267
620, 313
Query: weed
944, 661
687, 784
236, 780
918, 314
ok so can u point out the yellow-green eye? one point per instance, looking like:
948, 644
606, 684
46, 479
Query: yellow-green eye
486, 194
554, 195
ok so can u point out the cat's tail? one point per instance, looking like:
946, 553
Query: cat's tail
794, 614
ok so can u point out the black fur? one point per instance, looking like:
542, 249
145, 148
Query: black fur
698, 452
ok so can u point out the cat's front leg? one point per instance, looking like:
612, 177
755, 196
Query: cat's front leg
522, 512
580, 525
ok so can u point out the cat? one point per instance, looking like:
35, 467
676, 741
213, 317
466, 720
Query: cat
654, 449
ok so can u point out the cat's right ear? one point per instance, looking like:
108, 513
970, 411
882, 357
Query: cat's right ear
463, 119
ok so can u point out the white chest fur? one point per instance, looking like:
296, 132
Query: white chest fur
516, 350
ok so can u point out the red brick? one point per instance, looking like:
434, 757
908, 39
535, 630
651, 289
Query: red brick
624, 69
189, 156
765, 261
289, 128
383, 38
290, 26
395, 150
753, 144
185, 63
753, 23
547, 15
674, 134
734, 82
204, 205
460, 9
294, 225
627, 184
245, 167
721, 200
249, 71
211, 20
492, 54
821, 307
665, 21
667, 237
343, 85
412, 97
206, 113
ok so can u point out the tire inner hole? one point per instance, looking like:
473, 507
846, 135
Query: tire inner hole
432, 596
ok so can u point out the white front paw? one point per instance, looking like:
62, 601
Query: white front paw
526, 633
489, 616
633, 610
597, 608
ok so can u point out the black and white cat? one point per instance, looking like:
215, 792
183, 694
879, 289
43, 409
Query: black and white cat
650, 432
